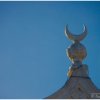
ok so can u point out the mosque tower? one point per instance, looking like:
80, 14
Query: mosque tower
79, 85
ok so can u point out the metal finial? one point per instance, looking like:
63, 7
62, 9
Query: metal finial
76, 37
76, 52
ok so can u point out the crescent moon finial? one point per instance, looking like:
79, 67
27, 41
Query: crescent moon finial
76, 37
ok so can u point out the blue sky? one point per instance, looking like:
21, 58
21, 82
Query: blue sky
33, 61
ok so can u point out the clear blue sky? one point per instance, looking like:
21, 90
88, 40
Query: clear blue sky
33, 61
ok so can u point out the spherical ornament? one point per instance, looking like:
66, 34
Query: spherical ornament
76, 52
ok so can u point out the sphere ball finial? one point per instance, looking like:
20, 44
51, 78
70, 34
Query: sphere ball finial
76, 51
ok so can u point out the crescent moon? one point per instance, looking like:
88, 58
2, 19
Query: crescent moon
76, 37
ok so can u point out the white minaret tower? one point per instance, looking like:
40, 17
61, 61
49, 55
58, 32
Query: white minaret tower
79, 85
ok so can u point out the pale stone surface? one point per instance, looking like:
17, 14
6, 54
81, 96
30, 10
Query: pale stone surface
78, 86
